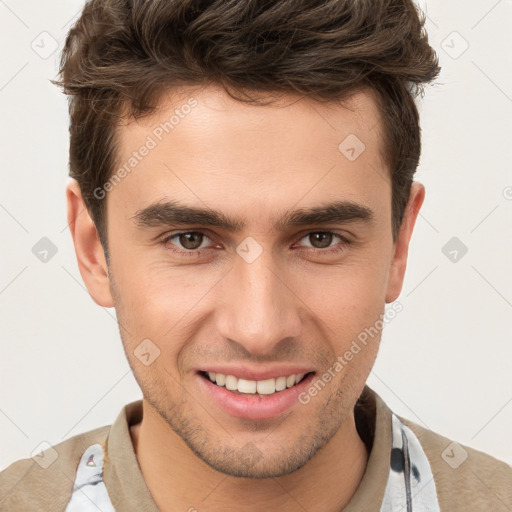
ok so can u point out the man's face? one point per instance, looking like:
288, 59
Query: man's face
266, 299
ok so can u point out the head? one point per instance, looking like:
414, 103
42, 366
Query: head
293, 127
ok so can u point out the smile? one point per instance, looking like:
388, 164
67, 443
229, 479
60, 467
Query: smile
254, 394
254, 387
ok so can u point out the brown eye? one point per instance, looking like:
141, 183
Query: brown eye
325, 242
187, 244
191, 240
320, 239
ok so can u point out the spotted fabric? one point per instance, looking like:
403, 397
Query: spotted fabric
410, 486
89, 490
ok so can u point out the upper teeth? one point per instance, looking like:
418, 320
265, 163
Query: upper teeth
263, 387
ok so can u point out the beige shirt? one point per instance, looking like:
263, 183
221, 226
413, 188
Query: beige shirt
409, 468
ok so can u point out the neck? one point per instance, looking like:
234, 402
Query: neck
179, 480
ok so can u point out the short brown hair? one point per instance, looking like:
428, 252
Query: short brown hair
121, 55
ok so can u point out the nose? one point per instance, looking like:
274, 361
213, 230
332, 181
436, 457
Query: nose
259, 308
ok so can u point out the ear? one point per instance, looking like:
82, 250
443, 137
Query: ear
399, 261
88, 248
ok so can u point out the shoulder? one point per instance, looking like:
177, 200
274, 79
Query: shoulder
45, 481
464, 476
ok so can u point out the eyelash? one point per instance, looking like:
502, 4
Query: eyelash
198, 252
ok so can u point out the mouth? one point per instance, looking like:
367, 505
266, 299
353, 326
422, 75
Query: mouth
253, 399
260, 388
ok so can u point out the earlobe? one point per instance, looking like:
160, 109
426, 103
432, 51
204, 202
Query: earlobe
399, 262
88, 249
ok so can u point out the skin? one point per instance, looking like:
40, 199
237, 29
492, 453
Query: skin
294, 304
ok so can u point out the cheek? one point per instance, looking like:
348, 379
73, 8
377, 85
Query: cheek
158, 301
350, 309
348, 296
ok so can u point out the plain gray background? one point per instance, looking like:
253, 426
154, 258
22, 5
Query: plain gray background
445, 359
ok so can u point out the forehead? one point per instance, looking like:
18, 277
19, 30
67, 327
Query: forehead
202, 146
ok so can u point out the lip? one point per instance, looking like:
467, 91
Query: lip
250, 406
247, 373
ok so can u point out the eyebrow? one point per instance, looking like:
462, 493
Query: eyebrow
173, 213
